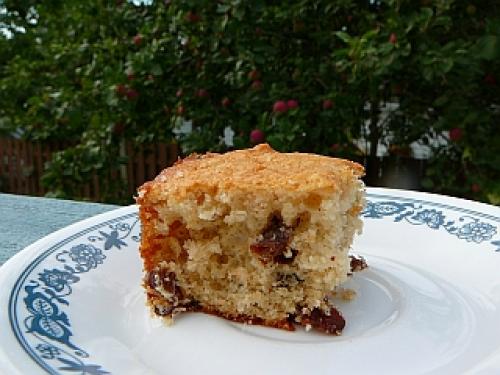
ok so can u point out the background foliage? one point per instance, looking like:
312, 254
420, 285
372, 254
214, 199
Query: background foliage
313, 76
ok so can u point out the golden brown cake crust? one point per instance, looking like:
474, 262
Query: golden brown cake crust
251, 170
253, 236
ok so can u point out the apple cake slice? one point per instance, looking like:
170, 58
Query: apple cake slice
254, 236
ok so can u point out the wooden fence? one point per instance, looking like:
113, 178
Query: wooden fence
22, 164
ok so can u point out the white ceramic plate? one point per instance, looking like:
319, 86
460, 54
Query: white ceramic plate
428, 304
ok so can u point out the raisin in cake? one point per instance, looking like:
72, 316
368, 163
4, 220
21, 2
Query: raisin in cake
254, 236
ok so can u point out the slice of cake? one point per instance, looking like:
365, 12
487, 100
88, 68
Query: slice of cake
253, 236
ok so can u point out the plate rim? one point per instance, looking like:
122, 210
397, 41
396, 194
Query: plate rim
82, 227
16, 289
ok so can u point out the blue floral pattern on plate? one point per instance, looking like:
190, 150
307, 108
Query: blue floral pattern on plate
46, 294
465, 227
41, 295
57, 280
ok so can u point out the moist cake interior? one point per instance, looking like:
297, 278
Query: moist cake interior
250, 255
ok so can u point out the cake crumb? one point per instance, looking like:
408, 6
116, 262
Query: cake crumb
348, 294
254, 236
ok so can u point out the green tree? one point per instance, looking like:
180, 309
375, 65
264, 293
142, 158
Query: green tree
307, 75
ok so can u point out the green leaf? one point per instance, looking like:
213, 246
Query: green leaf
441, 100
223, 8
447, 65
427, 183
488, 47
156, 70
346, 38
425, 17
494, 198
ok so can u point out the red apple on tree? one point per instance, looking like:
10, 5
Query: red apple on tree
121, 89
132, 94
327, 104
280, 106
202, 93
455, 134
393, 38
257, 136
192, 17
292, 104
226, 102
257, 85
137, 40
254, 75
